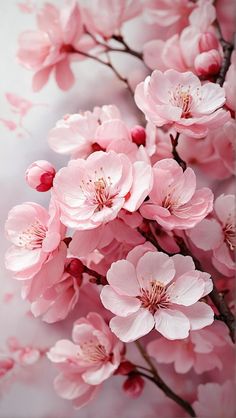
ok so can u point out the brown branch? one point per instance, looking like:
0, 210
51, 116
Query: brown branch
157, 380
126, 49
227, 49
175, 154
96, 277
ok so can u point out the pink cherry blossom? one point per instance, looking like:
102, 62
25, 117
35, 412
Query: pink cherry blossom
91, 192
180, 99
54, 291
180, 51
161, 292
105, 17
40, 175
85, 363
174, 201
218, 234
213, 154
49, 48
168, 13
215, 400
81, 134
35, 233
202, 350
230, 85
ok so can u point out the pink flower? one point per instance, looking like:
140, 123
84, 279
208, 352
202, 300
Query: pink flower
54, 291
174, 201
85, 363
161, 292
215, 400
218, 234
51, 47
230, 85
106, 17
81, 134
40, 175
213, 154
180, 99
202, 350
168, 13
91, 192
180, 51
35, 233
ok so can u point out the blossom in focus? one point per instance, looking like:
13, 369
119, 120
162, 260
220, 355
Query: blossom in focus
35, 233
161, 292
92, 357
105, 17
174, 201
52, 46
179, 99
202, 350
40, 175
92, 192
216, 400
218, 234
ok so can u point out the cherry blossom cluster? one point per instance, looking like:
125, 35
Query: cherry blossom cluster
135, 216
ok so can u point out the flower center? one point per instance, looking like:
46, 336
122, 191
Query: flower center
32, 237
230, 235
98, 191
182, 98
94, 352
154, 297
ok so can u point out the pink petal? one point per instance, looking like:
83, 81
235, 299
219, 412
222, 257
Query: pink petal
172, 324
97, 376
64, 76
132, 327
117, 304
187, 289
122, 277
200, 315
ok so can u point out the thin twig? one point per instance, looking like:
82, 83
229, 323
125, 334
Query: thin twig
175, 154
161, 384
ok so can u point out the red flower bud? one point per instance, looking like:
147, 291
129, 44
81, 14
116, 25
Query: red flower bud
75, 268
133, 386
40, 175
208, 63
138, 135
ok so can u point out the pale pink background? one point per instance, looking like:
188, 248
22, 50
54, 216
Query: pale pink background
32, 395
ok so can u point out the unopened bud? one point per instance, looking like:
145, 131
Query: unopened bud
40, 175
6, 364
138, 135
208, 63
208, 41
125, 368
75, 268
133, 386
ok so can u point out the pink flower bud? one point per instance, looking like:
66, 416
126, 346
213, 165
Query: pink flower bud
133, 386
125, 368
75, 268
208, 41
138, 135
40, 175
208, 63
6, 364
